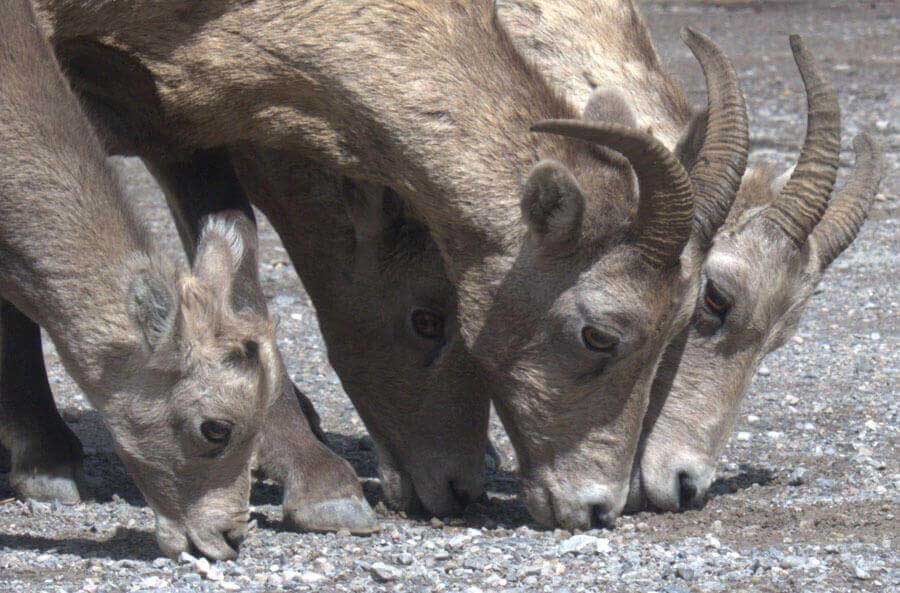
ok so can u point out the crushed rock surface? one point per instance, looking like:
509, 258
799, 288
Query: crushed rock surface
807, 493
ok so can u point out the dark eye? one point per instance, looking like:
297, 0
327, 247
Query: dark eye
715, 302
427, 324
247, 354
216, 431
251, 349
598, 341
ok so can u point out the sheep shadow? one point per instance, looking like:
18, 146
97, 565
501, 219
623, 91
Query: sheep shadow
107, 480
125, 544
749, 475
501, 507
105, 476
359, 450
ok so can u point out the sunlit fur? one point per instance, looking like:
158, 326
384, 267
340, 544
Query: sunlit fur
367, 265
695, 403
156, 350
432, 99
582, 45
704, 374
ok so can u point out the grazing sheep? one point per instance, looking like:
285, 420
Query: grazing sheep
180, 376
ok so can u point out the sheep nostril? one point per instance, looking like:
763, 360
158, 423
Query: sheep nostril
687, 491
601, 517
235, 537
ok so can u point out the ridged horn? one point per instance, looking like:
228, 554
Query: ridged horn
666, 205
804, 198
720, 164
849, 208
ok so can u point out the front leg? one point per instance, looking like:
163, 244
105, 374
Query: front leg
321, 490
45, 455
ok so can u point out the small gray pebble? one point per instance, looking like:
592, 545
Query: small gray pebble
384, 573
825, 483
797, 477
685, 573
789, 562
37, 507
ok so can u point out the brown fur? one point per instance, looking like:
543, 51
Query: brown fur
343, 84
706, 372
367, 273
599, 44
321, 490
157, 351
704, 377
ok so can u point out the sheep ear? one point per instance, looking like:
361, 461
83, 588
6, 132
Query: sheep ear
553, 204
609, 106
220, 252
372, 209
152, 307
691, 141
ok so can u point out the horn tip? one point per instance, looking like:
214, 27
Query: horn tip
692, 36
797, 44
867, 147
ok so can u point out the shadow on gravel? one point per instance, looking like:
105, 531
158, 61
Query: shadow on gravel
507, 513
748, 476
502, 482
108, 480
5, 489
125, 544
105, 475
265, 492
358, 450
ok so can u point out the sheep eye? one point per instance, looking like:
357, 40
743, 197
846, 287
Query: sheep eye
216, 431
715, 302
248, 353
251, 349
427, 324
598, 341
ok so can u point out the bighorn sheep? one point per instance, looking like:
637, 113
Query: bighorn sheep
665, 112
385, 307
763, 266
566, 311
745, 311
321, 491
181, 378
388, 271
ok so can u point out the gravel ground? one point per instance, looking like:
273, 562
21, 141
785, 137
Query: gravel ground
808, 488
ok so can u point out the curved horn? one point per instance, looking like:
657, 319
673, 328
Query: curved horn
721, 162
666, 205
849, 208
804, 198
